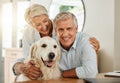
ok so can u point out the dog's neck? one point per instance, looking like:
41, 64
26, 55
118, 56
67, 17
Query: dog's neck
48, 72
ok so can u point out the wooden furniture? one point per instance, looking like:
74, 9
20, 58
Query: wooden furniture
100, 78
11, 54
61, 80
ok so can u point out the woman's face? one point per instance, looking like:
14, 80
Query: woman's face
43, 24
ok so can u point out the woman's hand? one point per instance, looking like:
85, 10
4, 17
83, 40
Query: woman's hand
31, 71
95, 43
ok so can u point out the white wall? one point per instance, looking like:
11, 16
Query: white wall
100, 24
1, 58
117, 34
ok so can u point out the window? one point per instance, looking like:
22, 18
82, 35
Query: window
74, 6
20, 20
13, 23
6, 25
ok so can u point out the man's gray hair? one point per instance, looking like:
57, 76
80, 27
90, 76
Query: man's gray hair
64, 16
34, 10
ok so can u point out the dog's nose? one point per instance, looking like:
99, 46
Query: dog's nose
51, 55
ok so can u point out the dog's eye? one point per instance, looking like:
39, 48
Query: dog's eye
55, 46
44, 45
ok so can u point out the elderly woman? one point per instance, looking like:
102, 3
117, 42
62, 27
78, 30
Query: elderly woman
39, 26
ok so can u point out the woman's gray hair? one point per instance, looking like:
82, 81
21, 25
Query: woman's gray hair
34, 10
64, 16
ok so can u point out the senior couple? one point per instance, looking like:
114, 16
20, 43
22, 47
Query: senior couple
78, 57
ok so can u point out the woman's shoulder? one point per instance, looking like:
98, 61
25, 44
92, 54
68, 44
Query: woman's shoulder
29, 28
29, 32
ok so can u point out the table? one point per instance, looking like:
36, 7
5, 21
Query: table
100, 78
61, 80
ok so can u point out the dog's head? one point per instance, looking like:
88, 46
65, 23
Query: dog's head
46, 52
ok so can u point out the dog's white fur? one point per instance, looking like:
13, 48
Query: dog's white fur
39, 53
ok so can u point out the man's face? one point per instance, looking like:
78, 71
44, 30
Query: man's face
66, 31
43, 24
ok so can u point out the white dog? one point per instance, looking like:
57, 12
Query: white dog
46, 54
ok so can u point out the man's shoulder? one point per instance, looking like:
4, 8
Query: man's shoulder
82, 39
82, 35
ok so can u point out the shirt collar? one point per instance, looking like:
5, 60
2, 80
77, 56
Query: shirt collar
75, 42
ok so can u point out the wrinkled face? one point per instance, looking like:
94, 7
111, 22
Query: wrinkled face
43, 24
66, 31
46, 50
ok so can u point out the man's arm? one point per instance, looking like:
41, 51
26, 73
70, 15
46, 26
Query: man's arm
69, 73
88, 60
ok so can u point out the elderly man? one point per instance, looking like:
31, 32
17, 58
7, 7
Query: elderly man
40, 25
78, 56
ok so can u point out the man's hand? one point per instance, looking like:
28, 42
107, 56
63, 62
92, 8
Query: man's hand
95, 43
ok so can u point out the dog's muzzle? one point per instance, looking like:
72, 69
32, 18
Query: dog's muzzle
50, 62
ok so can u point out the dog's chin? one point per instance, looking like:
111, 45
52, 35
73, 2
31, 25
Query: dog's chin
48, 63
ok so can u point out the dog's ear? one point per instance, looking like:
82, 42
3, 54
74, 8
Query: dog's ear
59, 52
32, 51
